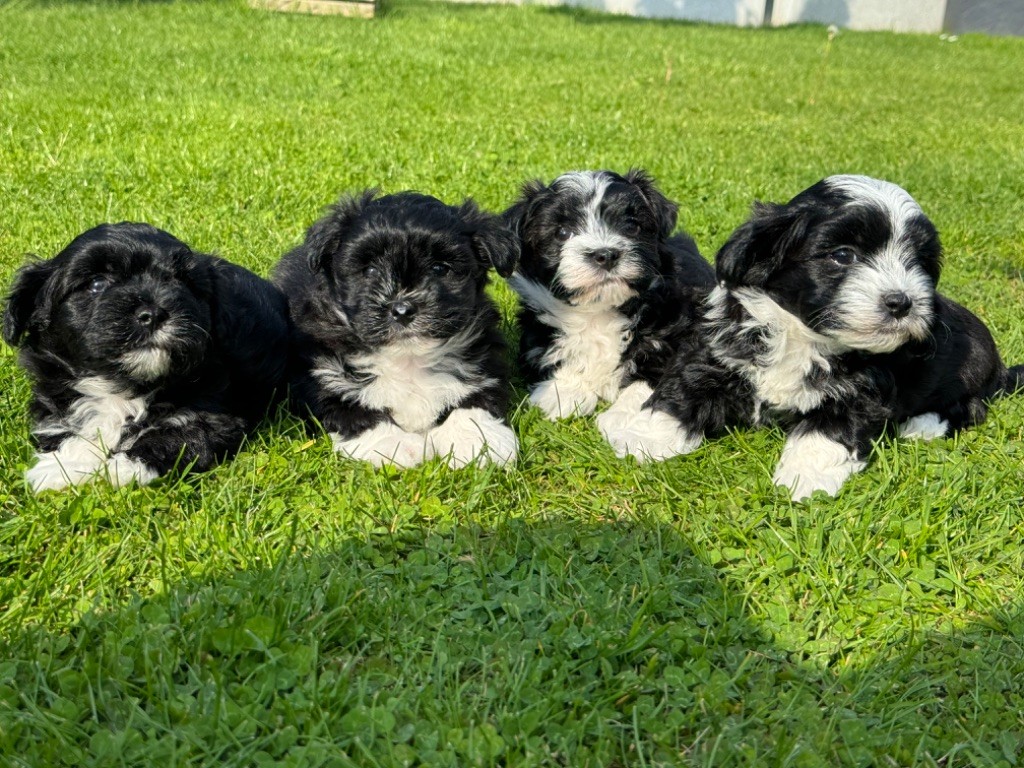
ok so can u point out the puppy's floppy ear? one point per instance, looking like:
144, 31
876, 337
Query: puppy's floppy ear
518, 216
197, 269
493, 242
927, 244
28, 302
665, 211
757, 249
324, 238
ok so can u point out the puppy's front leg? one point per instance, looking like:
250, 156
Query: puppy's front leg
671, 420
181, 438
826, 447
646, 434
812, 461
924, 426
476, 432
369, 435
563, 396
73, 460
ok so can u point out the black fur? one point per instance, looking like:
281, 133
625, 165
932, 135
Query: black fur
402, 273
818, 258
214, 335
632, 226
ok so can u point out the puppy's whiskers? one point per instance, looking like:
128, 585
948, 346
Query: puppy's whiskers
822, 316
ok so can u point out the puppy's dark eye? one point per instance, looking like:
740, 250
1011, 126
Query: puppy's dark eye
371, 272
99, 283
563, 233
843, 257
440, 270
630, 229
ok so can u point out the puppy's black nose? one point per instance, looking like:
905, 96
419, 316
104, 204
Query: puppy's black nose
898, 303
605, 258
403, 312
149, 316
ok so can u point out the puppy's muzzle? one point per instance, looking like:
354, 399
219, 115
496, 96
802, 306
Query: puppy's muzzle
605, 258
403, 312
150, 317
897, 304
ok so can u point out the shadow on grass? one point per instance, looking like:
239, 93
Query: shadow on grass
578, 645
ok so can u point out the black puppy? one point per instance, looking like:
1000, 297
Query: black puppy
605, 289
397, 350
143, 354
826, 320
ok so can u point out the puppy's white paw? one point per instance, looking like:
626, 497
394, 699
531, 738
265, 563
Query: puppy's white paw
76, 462
924, 426
813, 462
632, 398
123, 470
559, 400
645, 434
616, 421
474, 436
387, 443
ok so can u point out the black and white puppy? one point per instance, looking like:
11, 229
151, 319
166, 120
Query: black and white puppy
826, 320
144, 355
397, 351
604, 289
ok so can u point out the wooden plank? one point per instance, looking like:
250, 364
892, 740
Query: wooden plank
359, 8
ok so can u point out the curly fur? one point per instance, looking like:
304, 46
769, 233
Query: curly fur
144, 355
394, 332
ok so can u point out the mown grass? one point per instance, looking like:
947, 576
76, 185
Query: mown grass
291, 608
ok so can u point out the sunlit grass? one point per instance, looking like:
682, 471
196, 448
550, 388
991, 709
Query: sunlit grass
290, 608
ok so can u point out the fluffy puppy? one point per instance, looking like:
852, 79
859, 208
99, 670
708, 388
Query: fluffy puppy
397, 349
605, 289
143, 354
825, 320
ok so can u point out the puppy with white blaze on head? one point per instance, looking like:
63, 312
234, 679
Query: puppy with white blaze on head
397, 350
605, 290
826, 321
144, 356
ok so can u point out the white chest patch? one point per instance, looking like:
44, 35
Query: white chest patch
147, 364
589, 340
781, 376
413, 381
99, 415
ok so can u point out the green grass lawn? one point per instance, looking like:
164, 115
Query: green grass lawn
291, 608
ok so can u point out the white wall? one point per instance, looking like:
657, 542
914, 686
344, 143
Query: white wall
893, 15
1005, 17
1000, 17
744, 13
741, 12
